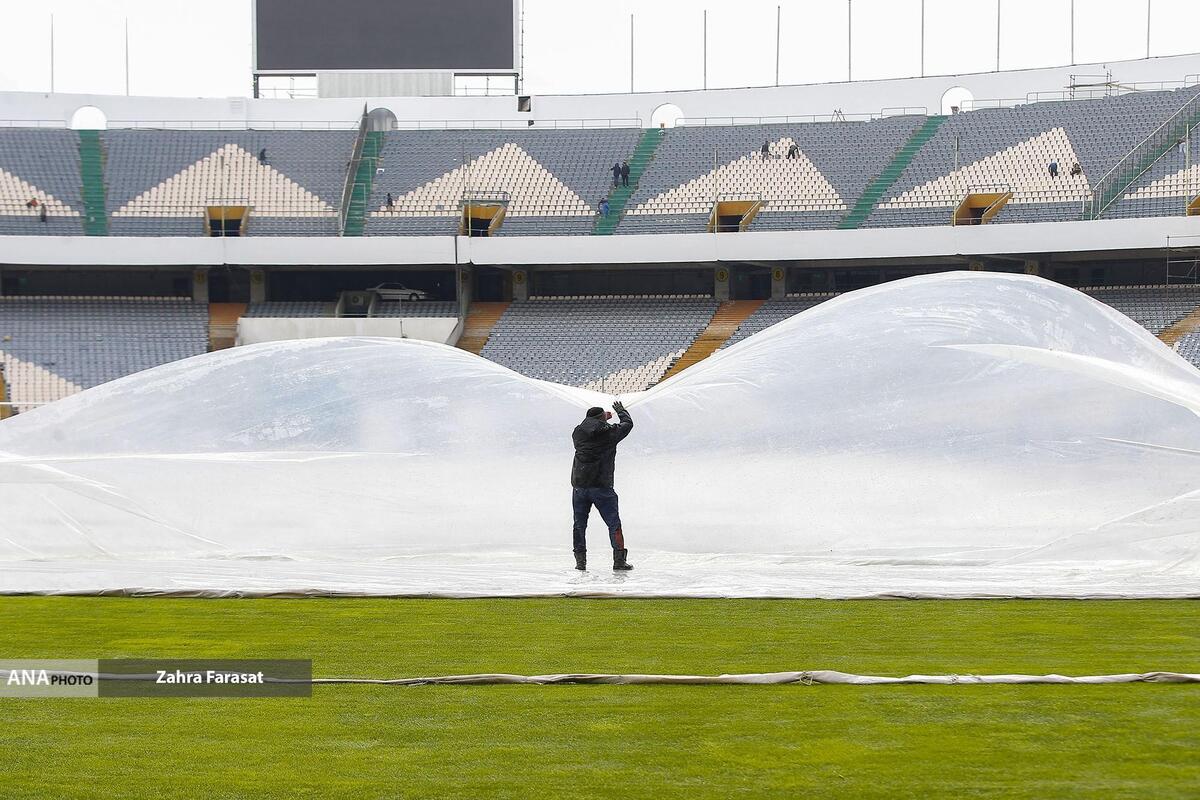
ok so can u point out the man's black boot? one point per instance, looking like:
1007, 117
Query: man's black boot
581, 559
619, 562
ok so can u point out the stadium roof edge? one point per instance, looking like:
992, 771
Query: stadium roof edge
867, 97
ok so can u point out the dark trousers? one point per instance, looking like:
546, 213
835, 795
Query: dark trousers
605, 501
624, 180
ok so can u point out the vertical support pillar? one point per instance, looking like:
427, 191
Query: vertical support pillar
258, 286
200, 286
778, 283
520, 285
462, 279
721, 284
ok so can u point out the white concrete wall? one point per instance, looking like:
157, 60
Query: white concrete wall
680, 248
854, 97
253, 330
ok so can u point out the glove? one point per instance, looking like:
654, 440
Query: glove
618, 406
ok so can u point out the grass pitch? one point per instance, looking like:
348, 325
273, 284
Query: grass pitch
1135, 741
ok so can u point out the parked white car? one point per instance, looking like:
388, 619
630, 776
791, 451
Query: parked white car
398, 291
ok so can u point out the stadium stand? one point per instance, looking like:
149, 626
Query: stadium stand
55, 346
1166, 188
417, 308
1012, 148
291, 308
1189, 347
1155, 308
159, 181
773, 311
889, 171
614, 344
813, 188
317, 308
553, 180
43, 165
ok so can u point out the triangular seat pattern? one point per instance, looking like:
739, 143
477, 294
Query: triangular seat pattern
233, 175
15, 193
1023, 168
1183, 183
532, 188
784, 184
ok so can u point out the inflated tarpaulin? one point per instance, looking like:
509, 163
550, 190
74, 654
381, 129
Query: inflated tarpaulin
951, 435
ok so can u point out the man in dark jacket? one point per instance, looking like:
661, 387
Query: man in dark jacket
592, 480
616, 171
625, 173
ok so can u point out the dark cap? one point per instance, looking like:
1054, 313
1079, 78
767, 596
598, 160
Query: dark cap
595, 411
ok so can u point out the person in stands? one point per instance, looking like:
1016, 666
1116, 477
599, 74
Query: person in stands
1076, 169
391, 202
262, 156
604, 206
793, 150
42, 215
765, 150
616, 171
625, 173
1053, 169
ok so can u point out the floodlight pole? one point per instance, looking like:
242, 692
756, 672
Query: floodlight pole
51, 54
1148, 4
778, 17
923, 38
705, 68
631, 53
849, 40
1072, 32
127, 56
997, 35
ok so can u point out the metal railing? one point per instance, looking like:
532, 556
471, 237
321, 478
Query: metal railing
1080, 93
836, 116
32, 123
484, 196
1113, 183
352, 170
725, 122
515, 124
233, 125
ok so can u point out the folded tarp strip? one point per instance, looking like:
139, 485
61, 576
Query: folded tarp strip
807, 677
820, 676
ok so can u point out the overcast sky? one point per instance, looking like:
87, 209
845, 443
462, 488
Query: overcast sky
203, 49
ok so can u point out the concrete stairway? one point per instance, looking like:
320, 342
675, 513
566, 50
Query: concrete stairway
619, 196
477, 327
729, 315
1188, 324
1145, 155
364, 179
222, 324
882, 182
91, 170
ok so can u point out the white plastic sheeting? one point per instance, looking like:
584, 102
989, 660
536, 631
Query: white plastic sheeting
952, 435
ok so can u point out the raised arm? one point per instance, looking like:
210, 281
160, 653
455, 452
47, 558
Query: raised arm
621, 429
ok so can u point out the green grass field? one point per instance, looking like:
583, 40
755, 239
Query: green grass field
1119, 741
